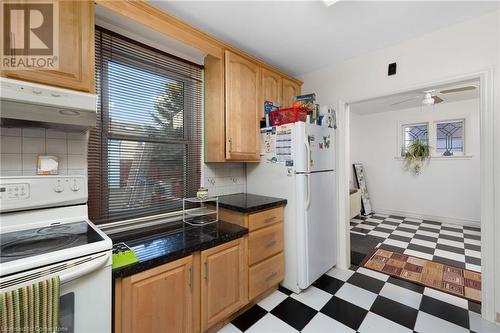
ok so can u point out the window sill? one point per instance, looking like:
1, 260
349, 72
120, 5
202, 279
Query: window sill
142, 222
458, 157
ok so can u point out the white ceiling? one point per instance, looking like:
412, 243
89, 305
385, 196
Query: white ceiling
301, 36
413, 99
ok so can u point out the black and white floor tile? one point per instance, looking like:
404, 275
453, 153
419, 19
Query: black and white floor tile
451, 244
361, 300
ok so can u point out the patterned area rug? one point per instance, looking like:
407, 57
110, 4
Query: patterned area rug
449, 279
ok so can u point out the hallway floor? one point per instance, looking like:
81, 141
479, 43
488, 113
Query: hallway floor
361, 300
450, 244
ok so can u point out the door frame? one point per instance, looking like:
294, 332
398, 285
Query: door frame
487, 179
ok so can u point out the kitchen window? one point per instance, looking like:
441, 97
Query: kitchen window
144, 155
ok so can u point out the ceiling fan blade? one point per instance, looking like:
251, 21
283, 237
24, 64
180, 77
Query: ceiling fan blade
437, 99
453, 90
405, 100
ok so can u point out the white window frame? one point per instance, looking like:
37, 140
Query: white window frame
464, 137
432, 137
402, 137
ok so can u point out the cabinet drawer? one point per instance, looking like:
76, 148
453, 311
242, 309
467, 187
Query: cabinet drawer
265, 243
265, 218
266, 274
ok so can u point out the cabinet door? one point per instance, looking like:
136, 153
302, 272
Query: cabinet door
224, 282
159, 299
290, 89
242, 87
76, 50
271, 88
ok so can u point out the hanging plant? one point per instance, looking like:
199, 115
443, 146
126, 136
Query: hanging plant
417, 153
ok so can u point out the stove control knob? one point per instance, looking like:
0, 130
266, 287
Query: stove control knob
58, 188
75, 187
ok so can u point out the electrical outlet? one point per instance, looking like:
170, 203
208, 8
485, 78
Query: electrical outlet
211, 181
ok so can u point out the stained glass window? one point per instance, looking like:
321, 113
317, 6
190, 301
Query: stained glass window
414, 132
450, 137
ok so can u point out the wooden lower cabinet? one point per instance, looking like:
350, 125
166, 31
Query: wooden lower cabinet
265, 247
199, 292
265, 242
157, 300
190, 294
265, 275
224, 282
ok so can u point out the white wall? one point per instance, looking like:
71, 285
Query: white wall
464, 48
447, 190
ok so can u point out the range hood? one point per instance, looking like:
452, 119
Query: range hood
26, 104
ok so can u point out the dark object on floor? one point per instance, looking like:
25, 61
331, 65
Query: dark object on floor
361, 246
452, 280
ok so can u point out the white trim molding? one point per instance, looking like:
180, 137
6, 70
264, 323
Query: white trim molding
488, 181
343, 168
442, 219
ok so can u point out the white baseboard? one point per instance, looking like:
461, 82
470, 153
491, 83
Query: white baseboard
442, 219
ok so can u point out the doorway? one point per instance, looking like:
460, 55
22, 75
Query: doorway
391, 218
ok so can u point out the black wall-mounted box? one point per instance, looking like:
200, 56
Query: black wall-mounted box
391, 69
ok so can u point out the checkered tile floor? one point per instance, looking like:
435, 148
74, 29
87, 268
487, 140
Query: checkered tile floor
455, 245
361, 300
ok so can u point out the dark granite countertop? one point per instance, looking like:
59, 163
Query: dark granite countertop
247, 203
158, 245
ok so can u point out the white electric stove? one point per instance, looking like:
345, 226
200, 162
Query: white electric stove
45, 232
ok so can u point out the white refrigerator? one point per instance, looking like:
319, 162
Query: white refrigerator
297, 163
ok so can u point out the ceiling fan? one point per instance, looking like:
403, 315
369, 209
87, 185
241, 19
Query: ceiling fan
430, 97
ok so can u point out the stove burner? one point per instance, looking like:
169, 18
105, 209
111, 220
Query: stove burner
36, 244
58, 228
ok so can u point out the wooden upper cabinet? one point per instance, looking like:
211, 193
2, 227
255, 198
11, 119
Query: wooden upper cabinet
224, 282
76, 50
290, 89
159, 299
243, 108
271, 88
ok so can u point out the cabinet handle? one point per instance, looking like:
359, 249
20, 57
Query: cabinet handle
206, 271
271, 243
272, 275
230, 144
270, 219
191, 277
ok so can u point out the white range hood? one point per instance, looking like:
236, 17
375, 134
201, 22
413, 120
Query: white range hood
26, 104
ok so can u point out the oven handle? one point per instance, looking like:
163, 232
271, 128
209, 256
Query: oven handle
85, 268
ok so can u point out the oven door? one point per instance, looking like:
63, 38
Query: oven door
85, 297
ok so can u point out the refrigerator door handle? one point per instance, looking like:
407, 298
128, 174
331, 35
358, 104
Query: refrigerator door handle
308, 163
308, 152
308, 200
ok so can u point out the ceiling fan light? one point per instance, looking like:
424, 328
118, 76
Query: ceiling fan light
428, 100
328, 3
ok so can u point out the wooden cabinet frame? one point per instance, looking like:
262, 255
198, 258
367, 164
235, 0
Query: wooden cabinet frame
127, 303
242, 97
217, 279
76, 51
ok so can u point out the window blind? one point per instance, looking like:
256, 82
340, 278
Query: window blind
144, 155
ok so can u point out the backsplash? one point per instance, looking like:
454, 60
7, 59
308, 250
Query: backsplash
20, 148
224, 178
